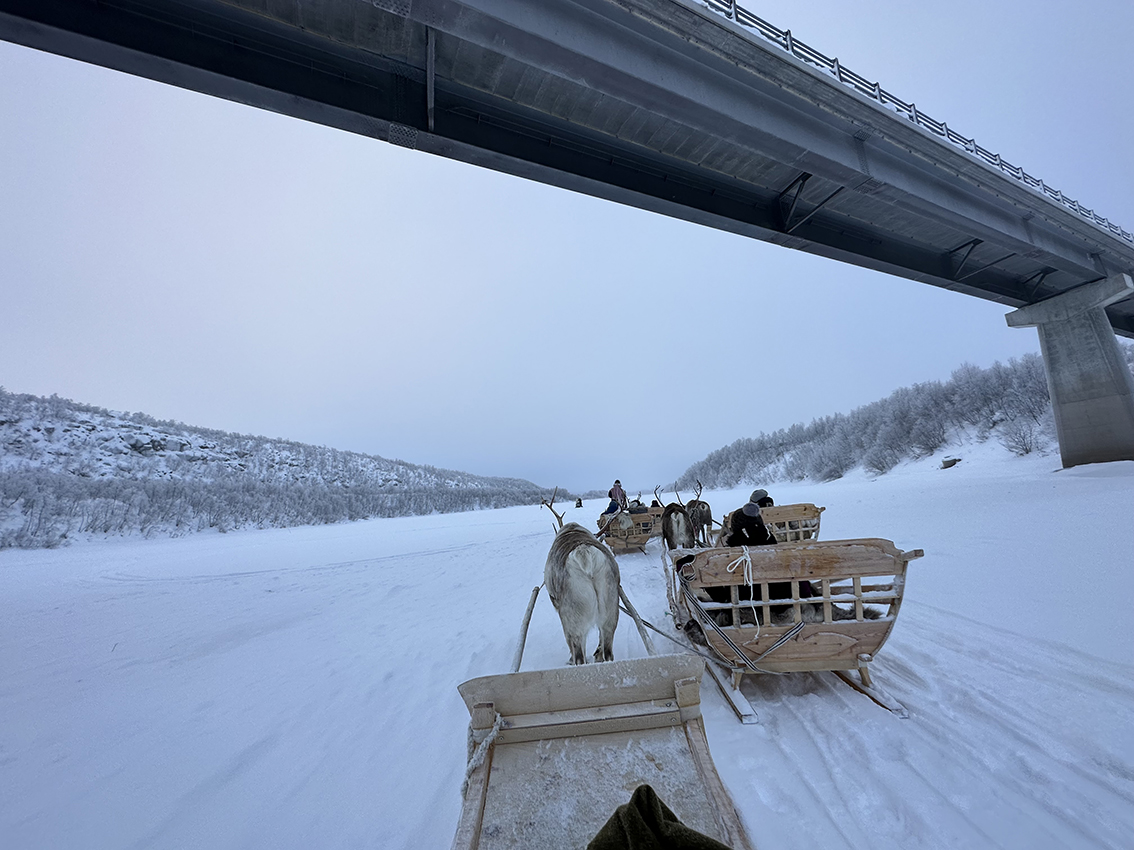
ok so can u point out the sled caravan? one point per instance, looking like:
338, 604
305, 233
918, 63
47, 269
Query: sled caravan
591, 731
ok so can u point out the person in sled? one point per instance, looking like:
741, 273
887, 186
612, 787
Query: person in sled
617, 498
746, 527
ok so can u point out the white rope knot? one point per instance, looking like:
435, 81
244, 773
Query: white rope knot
745, 559
477, 752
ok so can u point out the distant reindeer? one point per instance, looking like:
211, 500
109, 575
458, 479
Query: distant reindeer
677, 530
582, 580
701, 516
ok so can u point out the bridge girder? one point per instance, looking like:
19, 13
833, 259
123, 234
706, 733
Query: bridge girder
654, 103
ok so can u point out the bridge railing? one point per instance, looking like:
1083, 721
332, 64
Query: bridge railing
804, 52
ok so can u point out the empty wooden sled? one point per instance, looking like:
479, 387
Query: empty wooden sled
748, 603
552, 753
790, 523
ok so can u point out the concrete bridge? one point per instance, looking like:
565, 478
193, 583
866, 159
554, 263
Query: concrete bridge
704, 113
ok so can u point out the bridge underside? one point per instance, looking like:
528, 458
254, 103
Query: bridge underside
660, 105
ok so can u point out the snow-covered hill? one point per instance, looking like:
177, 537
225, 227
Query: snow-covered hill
59, 435
69, 468
296, 688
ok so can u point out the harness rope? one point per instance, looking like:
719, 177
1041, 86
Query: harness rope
741, 656
477, 752
684, 646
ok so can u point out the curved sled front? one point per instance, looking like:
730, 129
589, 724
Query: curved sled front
792, 607
574, 742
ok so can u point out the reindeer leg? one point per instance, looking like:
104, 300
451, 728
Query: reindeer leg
605, 649
578, 650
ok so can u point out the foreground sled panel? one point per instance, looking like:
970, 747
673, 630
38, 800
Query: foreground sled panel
575, 742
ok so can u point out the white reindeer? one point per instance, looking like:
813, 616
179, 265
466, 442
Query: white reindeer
582, 580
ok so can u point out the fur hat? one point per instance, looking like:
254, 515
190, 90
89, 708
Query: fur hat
751, 510
757, 495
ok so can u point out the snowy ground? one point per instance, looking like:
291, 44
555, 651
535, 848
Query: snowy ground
297, 688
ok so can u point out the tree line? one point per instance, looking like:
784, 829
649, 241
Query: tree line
71, 469
1007, 402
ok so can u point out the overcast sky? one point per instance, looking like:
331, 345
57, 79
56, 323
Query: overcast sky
198, 260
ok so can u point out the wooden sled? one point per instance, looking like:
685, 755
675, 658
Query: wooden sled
554, 752
790, 523
858, 587
645, 525
793, 523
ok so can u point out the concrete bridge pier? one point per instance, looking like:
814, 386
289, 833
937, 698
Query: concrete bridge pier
1092, 390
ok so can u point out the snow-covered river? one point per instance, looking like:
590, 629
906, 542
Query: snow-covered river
297, 688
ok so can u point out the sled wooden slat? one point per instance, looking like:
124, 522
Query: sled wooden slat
585, 686
591, 721
814, 649
472, 813
576, 741
721, 804
814, 560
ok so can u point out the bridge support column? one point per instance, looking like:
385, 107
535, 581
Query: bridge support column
1091, 388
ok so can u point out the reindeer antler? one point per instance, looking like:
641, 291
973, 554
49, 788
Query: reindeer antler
657, 495
548, 505
677, 494
699, 489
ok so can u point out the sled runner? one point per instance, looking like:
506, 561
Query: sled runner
790, 523
628, 531
554, 752
752, 605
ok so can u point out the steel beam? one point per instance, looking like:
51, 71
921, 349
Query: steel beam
386, 69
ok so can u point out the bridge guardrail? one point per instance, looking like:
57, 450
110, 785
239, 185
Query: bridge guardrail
787, 42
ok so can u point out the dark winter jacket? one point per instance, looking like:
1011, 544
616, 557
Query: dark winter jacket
647, 823
747, 530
